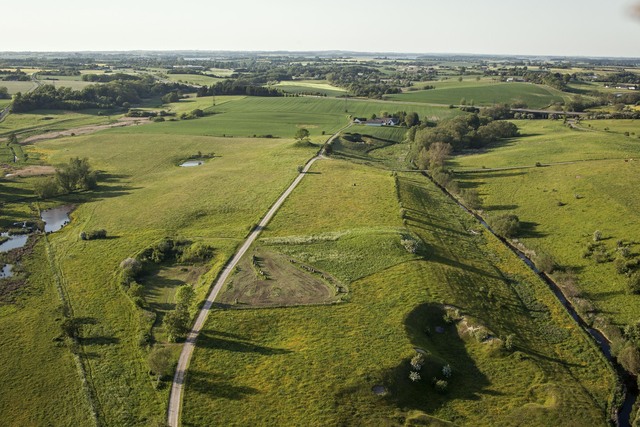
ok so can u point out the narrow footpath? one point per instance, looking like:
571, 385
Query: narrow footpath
175, 399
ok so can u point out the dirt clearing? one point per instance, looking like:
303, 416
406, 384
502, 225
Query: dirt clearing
265, 278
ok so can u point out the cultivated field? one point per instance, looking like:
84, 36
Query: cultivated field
281, 117
42, 121
194, 79
310, 87
534, 96
15, 87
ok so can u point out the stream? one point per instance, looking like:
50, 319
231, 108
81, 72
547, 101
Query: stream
621, 415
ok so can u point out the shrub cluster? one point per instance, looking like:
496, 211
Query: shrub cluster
93, 234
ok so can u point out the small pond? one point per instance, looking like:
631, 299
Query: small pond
191, 163
14, 242
6, 271
55, 218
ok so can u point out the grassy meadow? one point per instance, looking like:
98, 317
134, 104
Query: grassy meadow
38, 368
73, 82
16, 86
562, 205
280, 117
314, 365
194, 79
310, 86
41, 121
143, 197
319, 365
483, 93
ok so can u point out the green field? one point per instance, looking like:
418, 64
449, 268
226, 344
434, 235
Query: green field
313, 365
73, 82
534, 96
318, 365
549, 141
41, 121
144, 197
194, 79
15, 87
310, 86
36, 366
564, 204
281, 117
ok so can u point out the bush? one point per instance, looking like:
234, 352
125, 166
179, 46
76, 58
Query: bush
507, 225
508, 342
130, 268
545, 263
414, 376
471, 197
94, 234
46, 188
417, 361
447, 371
196, 252
410, 244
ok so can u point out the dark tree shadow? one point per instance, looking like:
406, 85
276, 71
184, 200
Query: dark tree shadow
218, 341
217, 386
100, 340
528, 229
501, 207
467, 381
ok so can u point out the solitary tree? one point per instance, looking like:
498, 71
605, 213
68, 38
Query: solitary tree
301, 134
76, 175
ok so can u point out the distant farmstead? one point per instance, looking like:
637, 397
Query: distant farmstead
385, 121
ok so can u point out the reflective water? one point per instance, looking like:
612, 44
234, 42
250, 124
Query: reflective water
55, 218
6, 271
191, 163
14, 242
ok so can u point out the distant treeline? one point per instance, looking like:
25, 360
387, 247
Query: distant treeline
118, 93
60, 72
623, 77
14, 76
105, 78
238, 87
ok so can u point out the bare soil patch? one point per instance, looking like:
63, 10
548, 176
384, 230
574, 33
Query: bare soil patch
32, 171
265, 278
83, 130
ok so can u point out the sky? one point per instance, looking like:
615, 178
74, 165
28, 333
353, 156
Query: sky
541, 27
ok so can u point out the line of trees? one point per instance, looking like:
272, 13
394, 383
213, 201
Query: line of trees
238, 87
117, 93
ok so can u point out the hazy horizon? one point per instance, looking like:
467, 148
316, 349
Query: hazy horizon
587, 28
